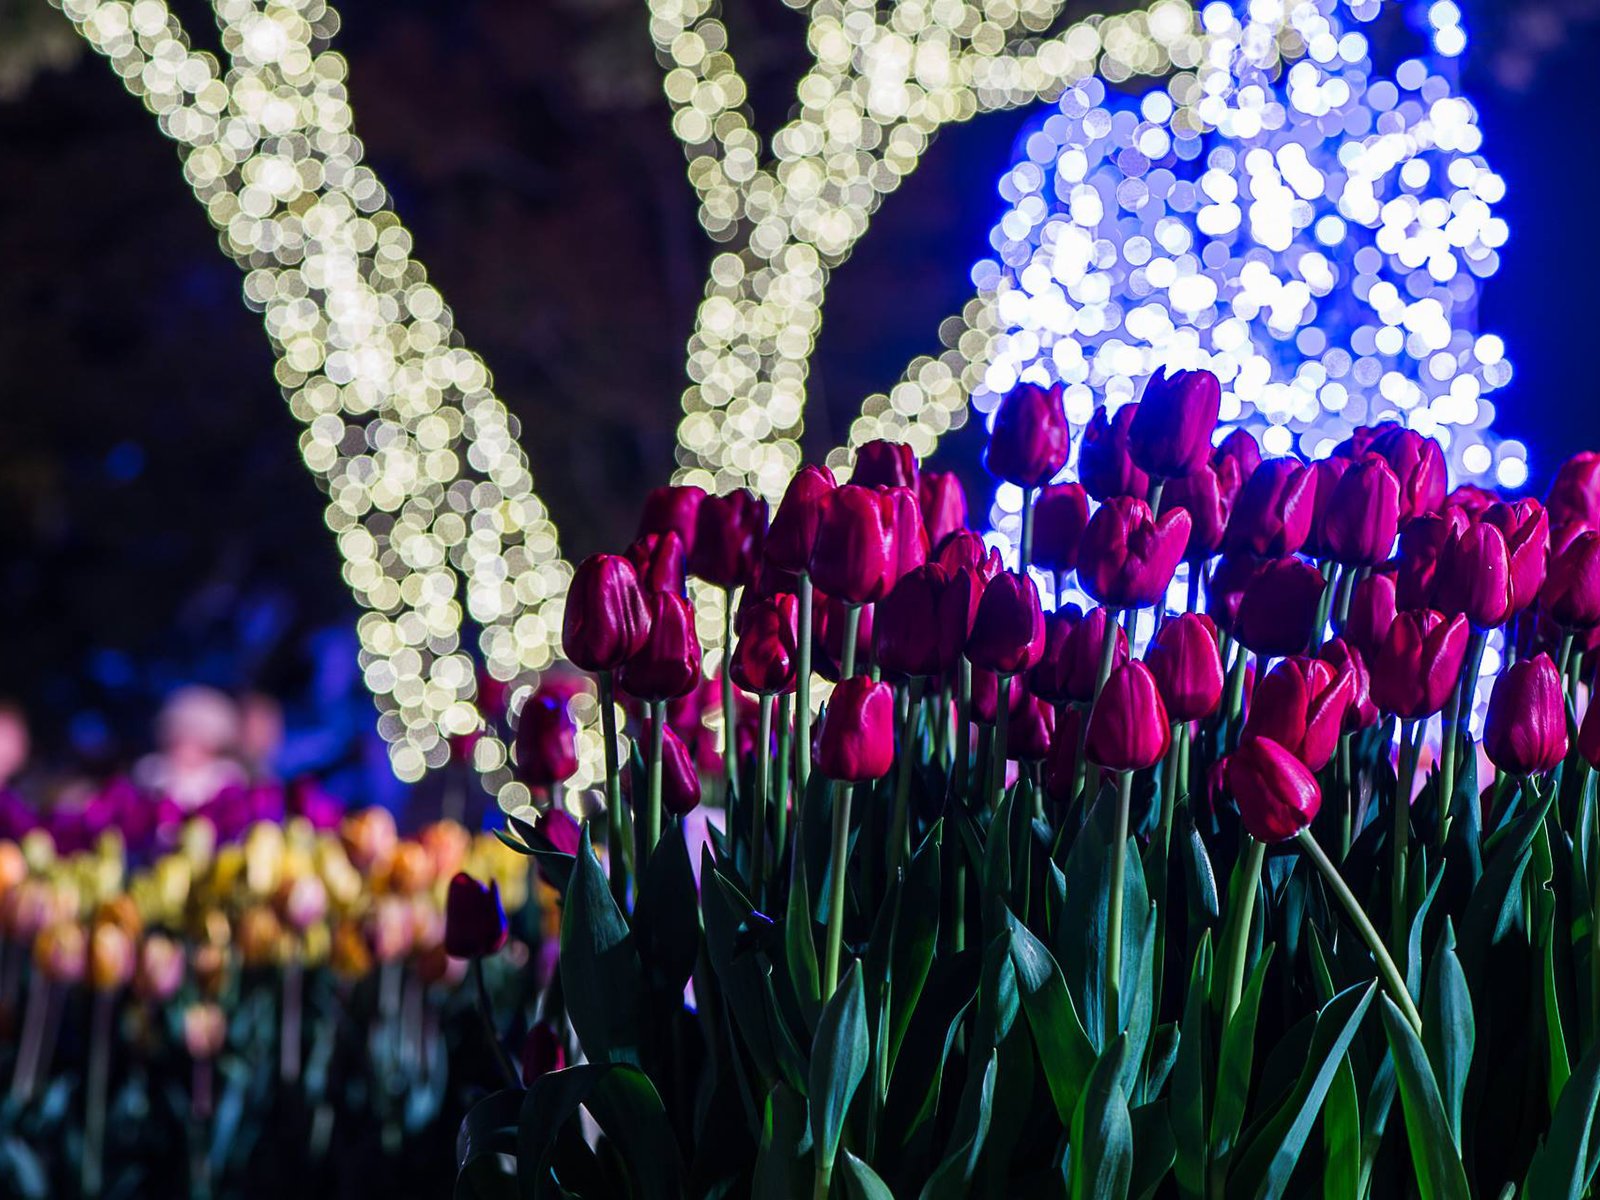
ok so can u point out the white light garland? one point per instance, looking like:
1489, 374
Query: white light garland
429, 492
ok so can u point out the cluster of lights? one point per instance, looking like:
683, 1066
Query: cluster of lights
429, 492
885, 79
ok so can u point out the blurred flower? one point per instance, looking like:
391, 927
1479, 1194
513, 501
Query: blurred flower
205, 1030
475, 921
161, 969
60, 952
111, 957
369, 837
542, 1053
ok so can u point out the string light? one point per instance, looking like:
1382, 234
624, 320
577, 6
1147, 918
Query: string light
884, 80
429, 492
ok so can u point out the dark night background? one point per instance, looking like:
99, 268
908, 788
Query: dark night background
156, 524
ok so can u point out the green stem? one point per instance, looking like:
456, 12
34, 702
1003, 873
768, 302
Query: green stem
1236, 951
1566, 654
1393, 981
1119, 867
963, 726
614, 839
1347, 795
847, 654
823, 1182
1341, 608
94, 1117
758, 809
802, 699
730, 734
1025, 550
1169, 790
898, 831
1153, 499
486, 1015
652, 815
1233, 705
1404, 787
780, 839
840, 852
1108, 654
997, 756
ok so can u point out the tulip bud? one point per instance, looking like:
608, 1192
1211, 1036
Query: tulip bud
1029, 728
1128, 726
659, 562
967, 549
1301, 705
1472, 500
1346, 659
303, 901
1201, 496
1419, 665
1128, 558
1372, 612
205, 1031
1187, 667
474, 921
854, 556
885, 464
1363, 515
61, 951
1575, 493
680, 782
764, 659
908, 631
1277, 794
542, 1053
1030, 439
547, 748
907, 535
1526, 527
1525, 732
558, 830
674, 509
1061, 766
1325, 476
1170, 435
369, 837
1589, 734
1474, 576
1234, 460
1104, 464
349, 955
944, 505
1418, 464
668, 664
1571, 592
1226, 587
1008, 633
260, 936
606, 620
1278, 614
794, 526
857, 739
111, 958
1273, 515
1070, 665
160, 970
728, 533
1060, 515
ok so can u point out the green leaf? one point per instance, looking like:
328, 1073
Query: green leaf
1565, 1163
1495, 907
1341, 1137
838, 1064
1152, 1135
1235, 1062
1436, 1164
1101, 1164
600, 969
1558, 1063
861, 1182
1065, 1054
916, 935
950, 1181
1268, 1160
783, 1164
1191, 1079
1414, 958
624, 1104
1448, 1032
667, 914
800, 945
489, 1128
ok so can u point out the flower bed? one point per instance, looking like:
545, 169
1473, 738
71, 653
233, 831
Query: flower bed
1223, 887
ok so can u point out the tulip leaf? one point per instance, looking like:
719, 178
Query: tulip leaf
914, 1089
1064, 1049
1495, 906
1559, 1064
861, 1182
487, 1131
1448, 1032
600, 969
783, 1164
1191, 1078
667, 913
1101, 1165
624, 1104
800, 945
1435, 1162
1235, 1060
916, 937
1414, 957
1152, 1135
1341, 1137
950, 1181
1466, 818
838, 1064
1565, 1163
745, 979
1266, 1161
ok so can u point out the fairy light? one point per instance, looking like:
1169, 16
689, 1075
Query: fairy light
884, 80
429, 493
